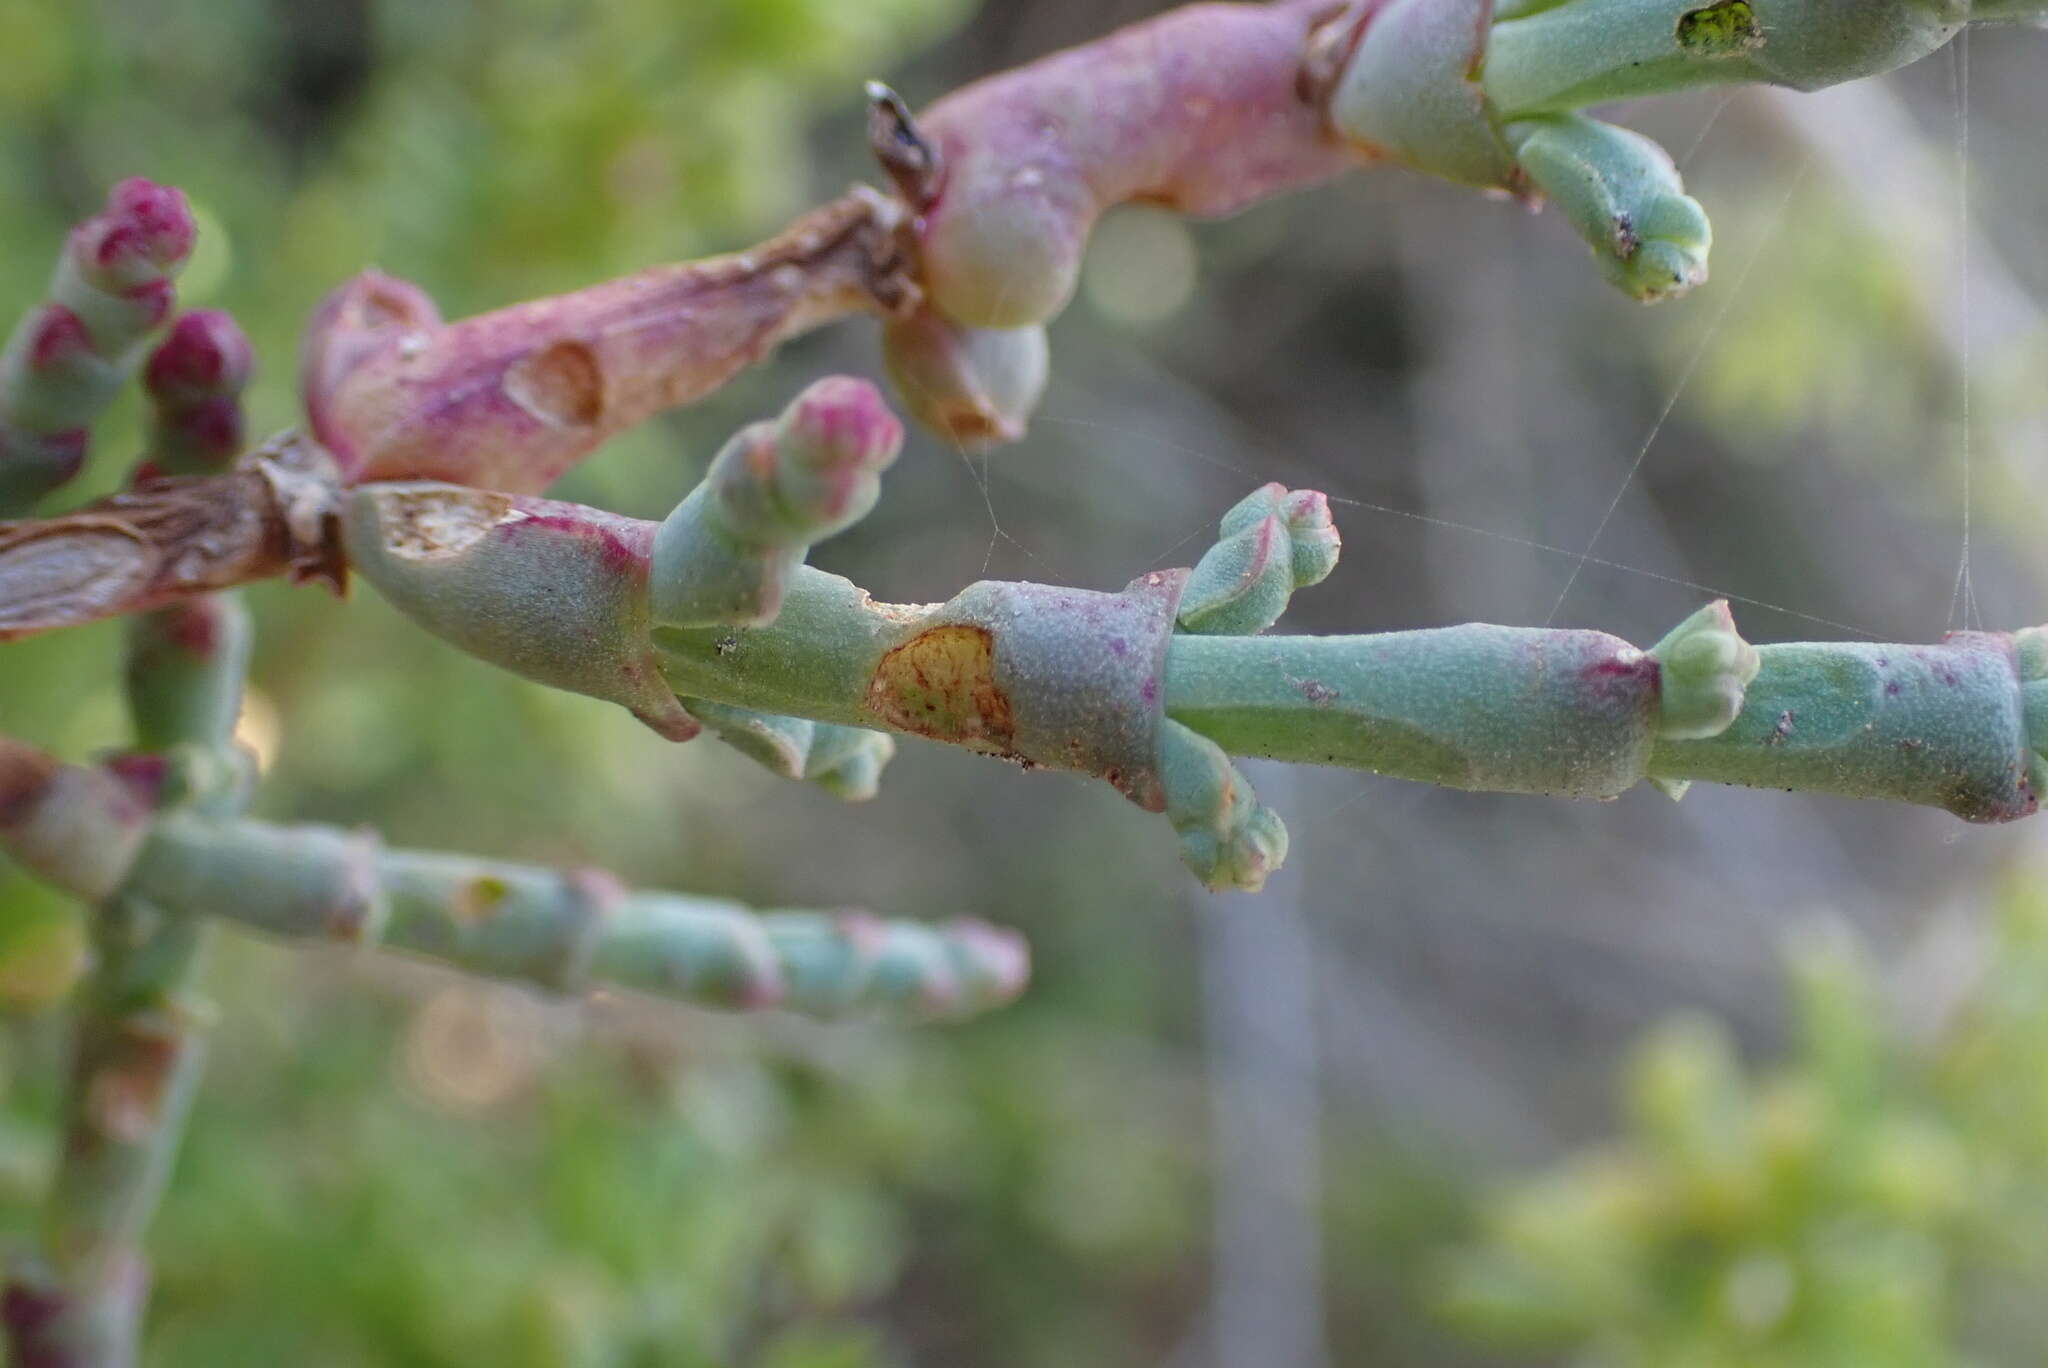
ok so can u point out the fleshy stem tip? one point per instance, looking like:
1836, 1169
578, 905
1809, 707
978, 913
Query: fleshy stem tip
725, 555
70, 355
1274, 541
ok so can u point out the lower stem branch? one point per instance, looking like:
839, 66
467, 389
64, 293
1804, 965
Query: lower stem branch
140, 1044
135, 1065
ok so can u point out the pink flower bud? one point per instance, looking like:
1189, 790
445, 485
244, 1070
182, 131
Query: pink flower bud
364, 318
150, 303
57, 339
159, 213
205, 355
144, 234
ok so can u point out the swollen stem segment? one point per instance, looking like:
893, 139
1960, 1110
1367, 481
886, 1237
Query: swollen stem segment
1199, 110
509, 400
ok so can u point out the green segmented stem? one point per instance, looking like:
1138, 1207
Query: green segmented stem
1582, 52
568, 931
1098, 683
184, 671
140, 1044
571, 931
1484, 92
1553, 56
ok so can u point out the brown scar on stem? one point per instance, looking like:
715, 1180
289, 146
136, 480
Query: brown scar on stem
480, 899
562, 385
941, 684
433, 524
907, 157
124, 1100
895, 612
1334, 34
277, 513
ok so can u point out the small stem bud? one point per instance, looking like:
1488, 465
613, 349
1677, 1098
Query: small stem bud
725, 555
1623, 195
846, 762
1705, 670
195, 379
1228, 838
145, 233
1275, 541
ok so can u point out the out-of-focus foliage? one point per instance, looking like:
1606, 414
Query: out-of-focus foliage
1863, 1201
397, 1167
482, 1178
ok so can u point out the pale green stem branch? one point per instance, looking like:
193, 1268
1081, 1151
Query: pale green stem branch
140, 1030
1103, 684
570, 931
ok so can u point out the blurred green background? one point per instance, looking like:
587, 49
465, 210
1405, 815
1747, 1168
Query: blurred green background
1755, 1080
